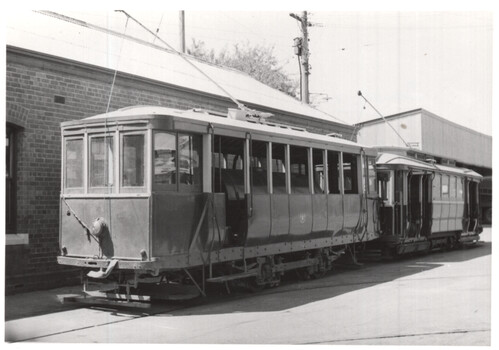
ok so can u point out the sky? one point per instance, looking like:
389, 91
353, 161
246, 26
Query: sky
400, 60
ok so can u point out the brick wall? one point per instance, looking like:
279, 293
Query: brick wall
33, 82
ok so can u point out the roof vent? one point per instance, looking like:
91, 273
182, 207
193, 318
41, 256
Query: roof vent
335, 134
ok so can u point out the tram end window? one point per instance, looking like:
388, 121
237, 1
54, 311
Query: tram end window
74, 163
133, 161
101, 161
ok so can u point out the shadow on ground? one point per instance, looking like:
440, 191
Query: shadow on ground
290, 294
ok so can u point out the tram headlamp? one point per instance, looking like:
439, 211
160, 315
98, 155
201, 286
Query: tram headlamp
98, 227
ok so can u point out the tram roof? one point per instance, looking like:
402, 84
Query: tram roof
142, 113
399, 161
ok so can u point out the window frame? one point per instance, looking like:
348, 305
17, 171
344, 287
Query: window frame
81, 189
116, 183
177, 186
120, 185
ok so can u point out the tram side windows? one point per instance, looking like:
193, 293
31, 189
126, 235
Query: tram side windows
101, 170
452, 187
318, 165
278, 168
299, 170
371, 175
228, 161
350, 173
385, 185
436, 190
258, 163
132, 161
165, 164
177, 161
445, 186
333, 169
460, 192
189, 161
74, 163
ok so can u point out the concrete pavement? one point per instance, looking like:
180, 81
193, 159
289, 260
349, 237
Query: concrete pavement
438, 299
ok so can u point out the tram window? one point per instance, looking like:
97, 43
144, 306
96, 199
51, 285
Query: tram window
436, 186
445, 185
299, 169
333, 169
350, 174
278, 168
385, 185
74, 163
318, 164
460, 194
228, 156
189, 160
452, 187
101, 161
133, 161
371, 175
259, 166
165, 154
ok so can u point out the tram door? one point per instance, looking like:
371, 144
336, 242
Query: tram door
473, 207
414, 205
426, 205
386, 211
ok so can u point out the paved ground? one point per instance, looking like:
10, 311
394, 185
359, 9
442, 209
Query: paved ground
438, 299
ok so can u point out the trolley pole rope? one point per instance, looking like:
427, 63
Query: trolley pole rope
386, 121
239, 104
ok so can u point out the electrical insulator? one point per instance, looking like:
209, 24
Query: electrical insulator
297, 45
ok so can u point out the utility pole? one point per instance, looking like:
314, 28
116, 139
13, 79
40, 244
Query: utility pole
304, 54
182, 31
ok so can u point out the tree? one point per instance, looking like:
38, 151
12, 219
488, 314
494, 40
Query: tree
257, 61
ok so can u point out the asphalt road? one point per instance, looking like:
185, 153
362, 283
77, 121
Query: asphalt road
436, 299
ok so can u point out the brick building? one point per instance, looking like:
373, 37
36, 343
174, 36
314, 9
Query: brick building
51, 79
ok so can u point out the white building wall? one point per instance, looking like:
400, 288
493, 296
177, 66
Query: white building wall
453, 141
380, 134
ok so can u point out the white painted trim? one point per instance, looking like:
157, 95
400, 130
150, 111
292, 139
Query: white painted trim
16, 239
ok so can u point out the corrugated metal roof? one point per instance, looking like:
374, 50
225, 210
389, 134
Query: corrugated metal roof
45, 34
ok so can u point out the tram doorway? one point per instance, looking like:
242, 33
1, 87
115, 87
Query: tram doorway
419, 211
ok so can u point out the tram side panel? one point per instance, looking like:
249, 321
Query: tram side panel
184, 222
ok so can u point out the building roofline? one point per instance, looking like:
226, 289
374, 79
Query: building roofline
423, 112
88, 66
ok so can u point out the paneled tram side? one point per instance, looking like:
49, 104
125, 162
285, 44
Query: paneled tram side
425, 205
153, 195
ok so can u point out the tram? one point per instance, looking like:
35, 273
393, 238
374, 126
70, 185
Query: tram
168, 201
425, 206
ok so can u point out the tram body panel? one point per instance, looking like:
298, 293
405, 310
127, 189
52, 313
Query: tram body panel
127, 227
320, 213
352, 213
280, 218
181, 218
335, 214
300, 216
259, 223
